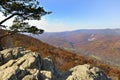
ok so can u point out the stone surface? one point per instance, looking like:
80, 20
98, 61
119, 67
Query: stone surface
48, 65
48, 70
86, 72
20, 64
46, 75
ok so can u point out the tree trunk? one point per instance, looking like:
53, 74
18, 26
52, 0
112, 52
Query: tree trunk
9, 17
6, 19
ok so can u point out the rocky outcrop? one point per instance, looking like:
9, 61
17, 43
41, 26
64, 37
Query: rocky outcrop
20, 64
17, 63
86, 72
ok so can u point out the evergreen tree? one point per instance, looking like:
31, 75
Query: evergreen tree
21, 10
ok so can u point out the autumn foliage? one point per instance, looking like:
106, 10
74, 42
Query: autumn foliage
63, 60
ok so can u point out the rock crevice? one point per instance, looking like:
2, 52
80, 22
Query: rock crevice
20, 64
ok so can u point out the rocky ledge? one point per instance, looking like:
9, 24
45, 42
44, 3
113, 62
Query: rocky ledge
20, 64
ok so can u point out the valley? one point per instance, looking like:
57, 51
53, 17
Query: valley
102, 44
62, 59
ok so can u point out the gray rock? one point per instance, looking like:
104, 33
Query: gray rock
48, 65
48, 68
46, 75
12, 73
86, 72
11, 53
19, 64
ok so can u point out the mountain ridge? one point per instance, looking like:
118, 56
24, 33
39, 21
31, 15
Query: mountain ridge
62, 59
104, 43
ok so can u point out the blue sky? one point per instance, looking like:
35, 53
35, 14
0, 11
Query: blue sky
81, 14
78, 14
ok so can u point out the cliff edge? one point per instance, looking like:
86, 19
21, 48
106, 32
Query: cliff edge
20, 64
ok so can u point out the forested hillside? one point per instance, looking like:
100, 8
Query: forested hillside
62, 59
102, 44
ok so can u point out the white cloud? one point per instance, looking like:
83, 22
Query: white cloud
48, 26
56, 26
8, 22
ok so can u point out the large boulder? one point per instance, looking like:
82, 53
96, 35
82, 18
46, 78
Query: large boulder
18, 63
86, 72
48, 70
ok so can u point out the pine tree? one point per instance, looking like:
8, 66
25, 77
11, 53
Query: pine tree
22, 10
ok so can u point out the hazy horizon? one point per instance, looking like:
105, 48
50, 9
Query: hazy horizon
81, 14
82, 29
78, 14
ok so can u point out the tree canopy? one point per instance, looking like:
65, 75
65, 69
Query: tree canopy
22, 10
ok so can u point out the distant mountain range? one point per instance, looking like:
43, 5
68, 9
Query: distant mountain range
62, 59
102, 44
